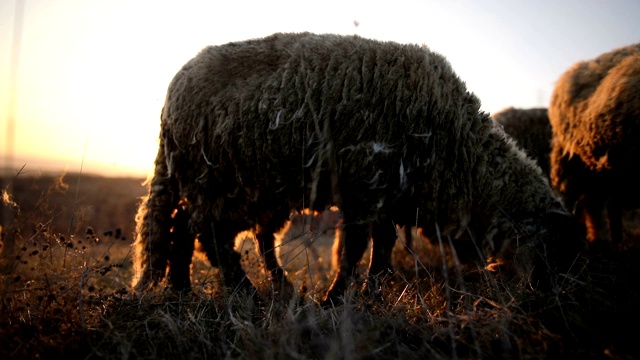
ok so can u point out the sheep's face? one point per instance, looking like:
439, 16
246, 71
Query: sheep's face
556, 250
551, 250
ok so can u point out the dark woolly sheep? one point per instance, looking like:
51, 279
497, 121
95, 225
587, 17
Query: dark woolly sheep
254, 130
531, 129
595, 117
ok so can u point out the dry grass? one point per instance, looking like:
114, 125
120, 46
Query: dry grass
67, 294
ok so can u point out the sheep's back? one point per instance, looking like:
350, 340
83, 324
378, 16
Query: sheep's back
531, 129
303, 120
594, 110
280, 112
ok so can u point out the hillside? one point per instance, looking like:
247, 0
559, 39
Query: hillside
69, 203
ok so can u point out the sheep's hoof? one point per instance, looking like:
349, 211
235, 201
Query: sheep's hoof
372, 288
601, 247
280, 285
145, 285
282, 290
331, 300
336, 292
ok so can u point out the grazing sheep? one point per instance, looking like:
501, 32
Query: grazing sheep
254, 130
595, 117
531, 129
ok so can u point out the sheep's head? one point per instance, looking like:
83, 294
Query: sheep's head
553, 252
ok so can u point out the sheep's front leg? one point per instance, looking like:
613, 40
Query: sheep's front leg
355, 240
217, 242
597, 223
383, 236
266, 247
614, 214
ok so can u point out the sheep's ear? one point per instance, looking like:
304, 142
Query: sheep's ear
557, 210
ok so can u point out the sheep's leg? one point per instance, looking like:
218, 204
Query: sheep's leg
614, 213
266, 247
356, 238
181, 254
383, 236
217, 242
596, 222
153, 228
408, 238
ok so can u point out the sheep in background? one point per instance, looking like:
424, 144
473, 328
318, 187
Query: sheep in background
531, 129
254, 130
595, 117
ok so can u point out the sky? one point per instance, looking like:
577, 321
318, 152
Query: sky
86, 91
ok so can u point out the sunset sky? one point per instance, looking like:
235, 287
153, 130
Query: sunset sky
92, 75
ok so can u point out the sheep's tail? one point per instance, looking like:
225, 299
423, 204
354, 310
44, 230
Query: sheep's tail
153, 226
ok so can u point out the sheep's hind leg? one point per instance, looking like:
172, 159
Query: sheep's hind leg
181, 254
153, 227
408, 238
354, 244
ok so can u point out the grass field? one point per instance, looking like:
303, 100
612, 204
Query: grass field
66, 292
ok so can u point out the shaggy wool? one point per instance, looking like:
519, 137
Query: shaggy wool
254, 130
595, 117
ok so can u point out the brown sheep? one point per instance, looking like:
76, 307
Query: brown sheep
531, 129
254, 130
595, 117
